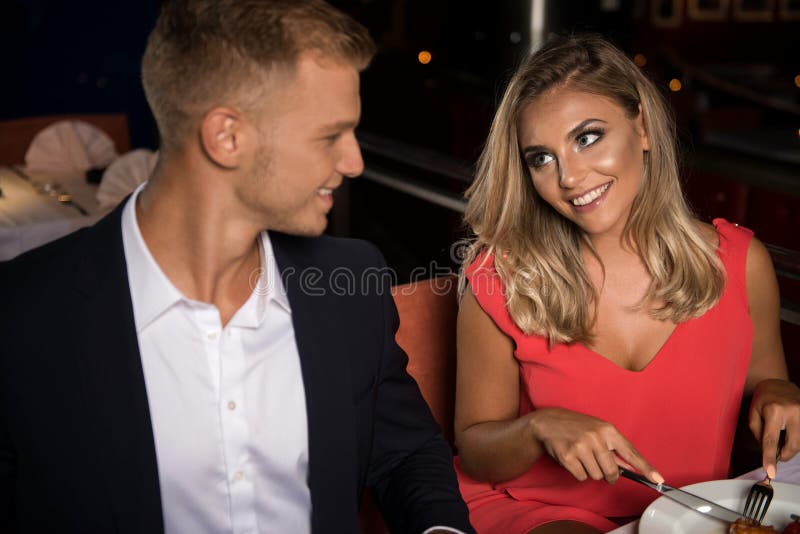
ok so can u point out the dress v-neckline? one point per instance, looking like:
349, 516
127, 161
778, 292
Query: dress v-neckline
650, 362
672, 334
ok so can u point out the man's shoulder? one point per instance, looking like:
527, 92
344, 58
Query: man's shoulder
51, 258
55, 263
33, 281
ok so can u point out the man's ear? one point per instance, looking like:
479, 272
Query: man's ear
220, 136
642, 130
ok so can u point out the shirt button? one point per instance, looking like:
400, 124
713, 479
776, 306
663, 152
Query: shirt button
231, 405
238, 475
212, 335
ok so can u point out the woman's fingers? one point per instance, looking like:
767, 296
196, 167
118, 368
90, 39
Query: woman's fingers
754, 422
588, 447
791, 444
593, 469
596, 459
627, 452
776, 407
770, 436
575, 466
609, 464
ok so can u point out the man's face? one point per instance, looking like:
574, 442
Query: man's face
307, 146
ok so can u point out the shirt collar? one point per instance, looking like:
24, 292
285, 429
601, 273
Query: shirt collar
267, 287
152, 293
270, 272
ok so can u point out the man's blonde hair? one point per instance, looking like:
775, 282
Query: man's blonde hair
206, 53
537, 251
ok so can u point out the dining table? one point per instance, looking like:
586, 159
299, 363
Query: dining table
37, 207
788, 472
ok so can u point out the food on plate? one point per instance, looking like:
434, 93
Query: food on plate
794, 526
748, 526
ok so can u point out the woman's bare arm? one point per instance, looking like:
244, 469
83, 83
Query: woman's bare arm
776, 401
495, 443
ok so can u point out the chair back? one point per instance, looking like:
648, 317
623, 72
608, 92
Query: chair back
16, 134
427, 333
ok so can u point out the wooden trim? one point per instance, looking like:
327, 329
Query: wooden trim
674, 21
698, 12
765, 14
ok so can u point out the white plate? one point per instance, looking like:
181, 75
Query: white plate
665, 516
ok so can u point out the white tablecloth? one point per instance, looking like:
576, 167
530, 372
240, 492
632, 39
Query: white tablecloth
787, 472
29, 218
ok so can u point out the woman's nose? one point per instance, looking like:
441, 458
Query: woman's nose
571, 172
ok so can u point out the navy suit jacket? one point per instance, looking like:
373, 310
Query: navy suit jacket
76, 443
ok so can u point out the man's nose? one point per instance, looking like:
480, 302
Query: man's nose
351, 164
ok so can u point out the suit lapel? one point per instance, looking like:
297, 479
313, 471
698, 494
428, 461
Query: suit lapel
113, 380
331, 424
114, 388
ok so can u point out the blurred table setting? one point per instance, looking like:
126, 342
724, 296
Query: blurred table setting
39, 206
788, 473
71, 177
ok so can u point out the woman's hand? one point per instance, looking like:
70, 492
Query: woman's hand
776, 401
586, 446
775, 407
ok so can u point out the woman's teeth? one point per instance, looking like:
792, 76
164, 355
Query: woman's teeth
324, 191
590, 196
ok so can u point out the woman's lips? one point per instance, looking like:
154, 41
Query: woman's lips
590, 199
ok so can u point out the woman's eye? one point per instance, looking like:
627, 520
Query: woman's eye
539, 160
588, 138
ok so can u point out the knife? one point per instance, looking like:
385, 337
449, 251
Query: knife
63, 198
698, 504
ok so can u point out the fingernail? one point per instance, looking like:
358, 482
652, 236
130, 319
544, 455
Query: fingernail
656, 476
771, 471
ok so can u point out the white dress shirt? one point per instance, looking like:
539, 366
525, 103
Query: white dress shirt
227, 404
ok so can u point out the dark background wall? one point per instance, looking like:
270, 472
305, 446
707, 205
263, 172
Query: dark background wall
75, 56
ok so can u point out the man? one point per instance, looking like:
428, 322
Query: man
186, 365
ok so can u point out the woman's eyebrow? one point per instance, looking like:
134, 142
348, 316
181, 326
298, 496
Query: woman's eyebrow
533, 149
573, 132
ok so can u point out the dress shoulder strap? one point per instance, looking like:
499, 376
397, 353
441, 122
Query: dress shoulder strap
490, 292
734, 242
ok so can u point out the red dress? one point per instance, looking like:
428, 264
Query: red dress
680, 411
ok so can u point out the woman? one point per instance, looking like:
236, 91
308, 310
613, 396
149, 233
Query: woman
601, 324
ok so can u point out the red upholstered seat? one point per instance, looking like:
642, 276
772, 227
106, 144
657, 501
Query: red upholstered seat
427, 333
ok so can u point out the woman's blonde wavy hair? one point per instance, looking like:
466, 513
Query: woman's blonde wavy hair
537, 252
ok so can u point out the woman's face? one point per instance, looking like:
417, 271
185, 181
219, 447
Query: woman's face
585, 156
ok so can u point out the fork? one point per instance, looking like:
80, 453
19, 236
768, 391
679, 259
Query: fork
758, 499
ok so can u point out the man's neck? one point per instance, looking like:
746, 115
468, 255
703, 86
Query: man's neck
206, 254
